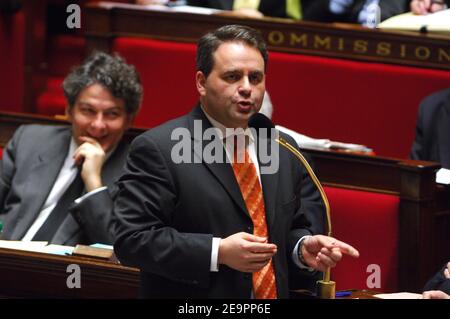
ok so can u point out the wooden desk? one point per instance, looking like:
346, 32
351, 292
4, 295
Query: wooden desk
30, 274
106, 21
424, 206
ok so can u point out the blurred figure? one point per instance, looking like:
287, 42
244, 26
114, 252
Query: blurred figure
423, 7
438, 287
351, 11
55, 181
432, 141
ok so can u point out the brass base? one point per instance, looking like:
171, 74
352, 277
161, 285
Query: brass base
326, 289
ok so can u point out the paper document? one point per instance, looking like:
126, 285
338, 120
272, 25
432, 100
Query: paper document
433, 22
399, 295
197, 10
23, 245
36, 246
308, 142
443, 176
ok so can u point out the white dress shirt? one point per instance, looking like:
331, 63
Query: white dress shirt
251, 148
65, 177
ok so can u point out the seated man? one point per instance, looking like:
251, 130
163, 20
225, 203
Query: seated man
45, 168
432, 142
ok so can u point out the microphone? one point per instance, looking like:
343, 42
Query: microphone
326, 289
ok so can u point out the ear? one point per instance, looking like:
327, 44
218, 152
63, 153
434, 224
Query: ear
129, 121
68, 113
200, 81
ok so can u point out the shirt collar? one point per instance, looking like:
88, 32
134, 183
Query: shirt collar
227, 132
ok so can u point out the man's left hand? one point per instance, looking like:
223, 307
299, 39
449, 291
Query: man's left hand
321, 252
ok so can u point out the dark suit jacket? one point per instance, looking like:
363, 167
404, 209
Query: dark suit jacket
166, 215
432, 142
31, 163
438, 282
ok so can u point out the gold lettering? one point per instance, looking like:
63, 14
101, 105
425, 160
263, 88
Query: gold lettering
276, 38
384, 49
403, 51
341, 44
319, 42
360, 46
443, 54
422, 53
302, 40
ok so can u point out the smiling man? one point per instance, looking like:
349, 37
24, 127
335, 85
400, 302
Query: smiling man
215, 229
55, 181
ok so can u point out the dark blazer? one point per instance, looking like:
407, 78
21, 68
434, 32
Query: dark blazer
31, 163
438, 282
432, 142
166, 215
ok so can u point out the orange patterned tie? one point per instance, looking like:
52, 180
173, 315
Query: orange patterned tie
264, 286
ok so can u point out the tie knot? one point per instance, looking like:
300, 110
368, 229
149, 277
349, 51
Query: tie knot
240, 143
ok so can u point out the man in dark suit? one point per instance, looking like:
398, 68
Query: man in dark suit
199, 226
45, 168
432, 142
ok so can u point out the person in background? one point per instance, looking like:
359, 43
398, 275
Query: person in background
350, 11
438, 287
55, 181
423, 7
432, 140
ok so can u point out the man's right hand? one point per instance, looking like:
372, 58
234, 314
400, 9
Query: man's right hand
245, 252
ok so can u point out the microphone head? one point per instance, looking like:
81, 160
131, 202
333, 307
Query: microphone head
260, 123
259, 120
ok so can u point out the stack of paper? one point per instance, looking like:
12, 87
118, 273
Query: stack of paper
304, 141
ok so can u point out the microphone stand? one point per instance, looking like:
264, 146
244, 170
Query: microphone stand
326, 289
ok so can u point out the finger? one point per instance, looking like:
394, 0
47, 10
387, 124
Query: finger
324, 259
344, 247
260, 257
447, 273
254, 238
261, 247
90, 140
334, 253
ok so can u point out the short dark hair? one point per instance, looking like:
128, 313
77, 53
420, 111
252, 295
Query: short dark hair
209, 43
110, 71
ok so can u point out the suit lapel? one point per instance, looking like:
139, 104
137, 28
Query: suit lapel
222, 172
44, 173
444, 134
269, 185
70, 227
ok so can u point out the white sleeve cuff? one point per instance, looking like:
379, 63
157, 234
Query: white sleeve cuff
295, 256
215, 254
95, 191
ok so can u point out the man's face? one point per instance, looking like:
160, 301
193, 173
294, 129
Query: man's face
234, 89
98, 114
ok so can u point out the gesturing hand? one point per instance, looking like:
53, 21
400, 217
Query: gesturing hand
321, 252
